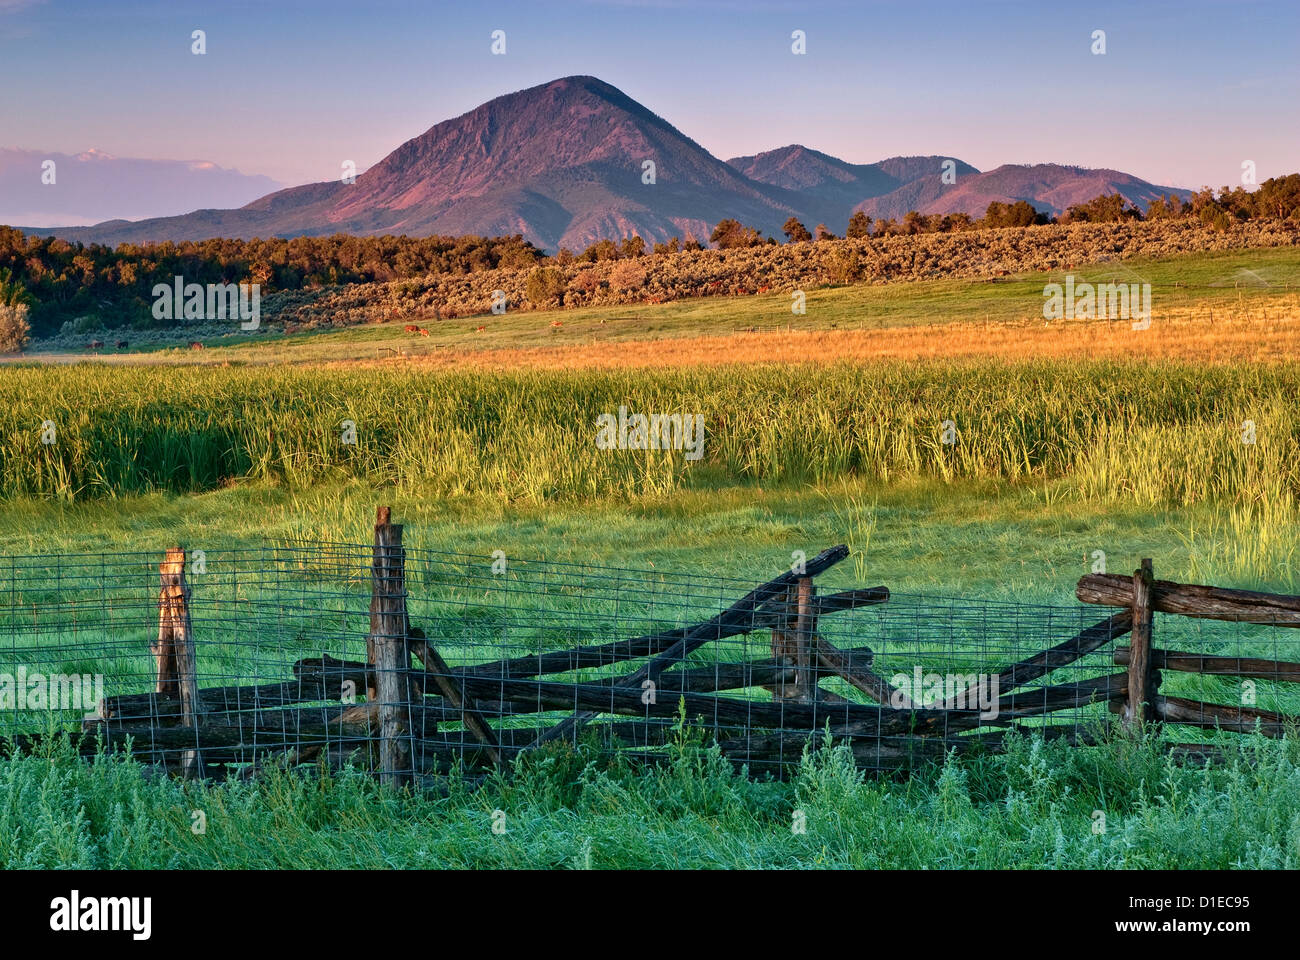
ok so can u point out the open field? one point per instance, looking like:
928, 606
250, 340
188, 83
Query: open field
1070, 438
1154, 432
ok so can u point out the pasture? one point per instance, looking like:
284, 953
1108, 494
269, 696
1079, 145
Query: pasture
486, 441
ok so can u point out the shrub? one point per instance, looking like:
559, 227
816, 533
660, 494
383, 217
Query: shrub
545, 284
13, 328
627, 275
843, 266
585, 282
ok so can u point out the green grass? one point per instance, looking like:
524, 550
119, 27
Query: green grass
1033, 807
1152, 433
1012, 543
1037, 806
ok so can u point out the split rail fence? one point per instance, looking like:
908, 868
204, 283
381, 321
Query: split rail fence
411, 663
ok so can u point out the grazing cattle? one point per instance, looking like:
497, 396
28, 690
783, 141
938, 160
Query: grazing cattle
122, 344
423, 332
410, 328
480, 329
764, 289
557, 323
196, 345
290, 328
95, 345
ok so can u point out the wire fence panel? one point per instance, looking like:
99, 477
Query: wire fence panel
506, 655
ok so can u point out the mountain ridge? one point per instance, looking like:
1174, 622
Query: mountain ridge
564, 163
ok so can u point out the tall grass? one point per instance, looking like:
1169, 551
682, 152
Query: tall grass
1153, 432
1035, 807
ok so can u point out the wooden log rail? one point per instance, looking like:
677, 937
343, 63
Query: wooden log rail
1211, 716
1061, 655
738, 615
851, 719
244, 737
856, 671
1218, 666
323, 678
1190, 600
237, 704
273, 731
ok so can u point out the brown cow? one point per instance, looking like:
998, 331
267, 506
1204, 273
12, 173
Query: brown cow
195, 345
96, 345
423, 332
410, 328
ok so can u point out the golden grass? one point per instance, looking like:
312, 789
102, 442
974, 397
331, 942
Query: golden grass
1254, 335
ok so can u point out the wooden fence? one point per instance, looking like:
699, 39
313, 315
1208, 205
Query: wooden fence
1143, 596
409, 713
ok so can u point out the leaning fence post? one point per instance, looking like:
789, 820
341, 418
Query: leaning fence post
1139, 665
387, 650
177, 665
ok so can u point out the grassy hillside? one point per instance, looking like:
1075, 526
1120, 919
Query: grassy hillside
1248, 285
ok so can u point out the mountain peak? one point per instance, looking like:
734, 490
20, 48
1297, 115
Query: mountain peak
575, 160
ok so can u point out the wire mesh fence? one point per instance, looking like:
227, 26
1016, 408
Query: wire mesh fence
506, 655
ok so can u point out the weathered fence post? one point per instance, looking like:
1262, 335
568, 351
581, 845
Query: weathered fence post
177, 665
1139, 665
804, 630
387, 651
785, 647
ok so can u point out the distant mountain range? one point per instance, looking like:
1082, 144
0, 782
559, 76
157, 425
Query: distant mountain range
564, 164
92, 186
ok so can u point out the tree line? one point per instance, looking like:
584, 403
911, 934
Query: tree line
1276, 198
101, 286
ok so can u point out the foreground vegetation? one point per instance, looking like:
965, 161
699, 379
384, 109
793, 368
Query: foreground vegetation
1031, 808
1037, 806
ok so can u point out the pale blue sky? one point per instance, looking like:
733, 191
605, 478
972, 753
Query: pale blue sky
1184, 94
